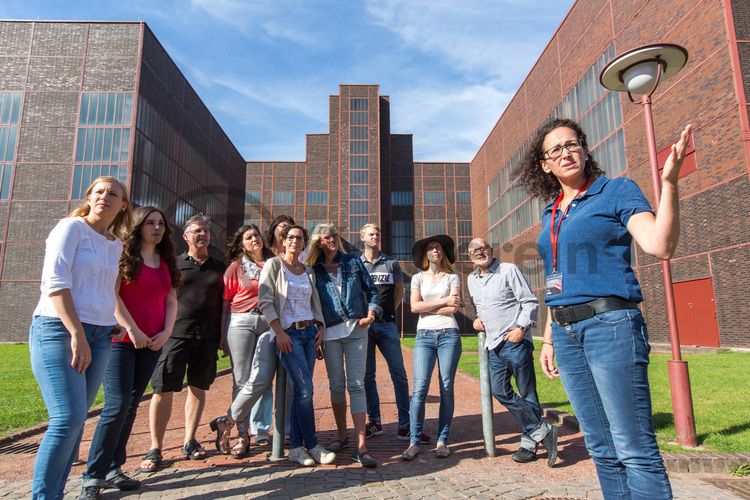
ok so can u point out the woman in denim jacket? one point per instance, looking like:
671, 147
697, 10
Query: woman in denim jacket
349, 301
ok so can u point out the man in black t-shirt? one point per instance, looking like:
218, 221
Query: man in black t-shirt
194, 343
383, 334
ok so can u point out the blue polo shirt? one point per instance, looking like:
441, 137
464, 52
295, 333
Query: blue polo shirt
594, 245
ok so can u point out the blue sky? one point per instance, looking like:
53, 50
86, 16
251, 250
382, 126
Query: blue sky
265, 68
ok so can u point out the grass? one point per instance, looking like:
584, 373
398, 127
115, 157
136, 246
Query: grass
23, 405
720, 392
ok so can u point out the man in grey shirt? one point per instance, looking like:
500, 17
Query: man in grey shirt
506, 310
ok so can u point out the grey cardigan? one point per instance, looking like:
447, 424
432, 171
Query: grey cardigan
272, 291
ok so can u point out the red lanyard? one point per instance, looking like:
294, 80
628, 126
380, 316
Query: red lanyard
554, 234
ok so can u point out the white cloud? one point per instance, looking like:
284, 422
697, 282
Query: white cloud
486, 38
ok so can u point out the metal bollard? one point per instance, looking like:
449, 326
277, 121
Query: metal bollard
486, 395
279, 415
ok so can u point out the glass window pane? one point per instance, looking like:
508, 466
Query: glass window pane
128, 109
119, 103
434, 198
101, 110
110, 111
10, 148
124, 145
358, 176
83, 118
107, 147
98, 141
5, 106
358, 192
358, 207
15, 116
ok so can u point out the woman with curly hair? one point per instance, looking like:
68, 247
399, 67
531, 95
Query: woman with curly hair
594, 326
246, 253
70, 337
148, 307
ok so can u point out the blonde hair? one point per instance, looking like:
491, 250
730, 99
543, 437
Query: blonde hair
364, 228
313, 251
445, 264
120, 227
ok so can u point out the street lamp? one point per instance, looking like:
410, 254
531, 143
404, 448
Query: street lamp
639, 71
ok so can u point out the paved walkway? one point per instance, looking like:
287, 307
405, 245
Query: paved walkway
465, 474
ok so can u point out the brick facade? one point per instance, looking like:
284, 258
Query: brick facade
715, 234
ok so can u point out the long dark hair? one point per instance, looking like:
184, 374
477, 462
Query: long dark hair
536, 181
272, 228
131, 259
235, 250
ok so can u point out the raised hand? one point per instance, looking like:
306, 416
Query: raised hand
673, 164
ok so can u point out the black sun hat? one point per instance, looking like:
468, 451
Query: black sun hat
418, 250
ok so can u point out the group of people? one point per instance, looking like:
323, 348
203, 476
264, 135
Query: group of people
118, 306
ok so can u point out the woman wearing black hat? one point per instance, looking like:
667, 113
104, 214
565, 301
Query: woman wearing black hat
434, 296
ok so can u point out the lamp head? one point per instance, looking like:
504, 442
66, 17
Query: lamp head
638, 71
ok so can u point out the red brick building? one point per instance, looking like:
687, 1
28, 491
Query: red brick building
711, 276
79, 100
358, 173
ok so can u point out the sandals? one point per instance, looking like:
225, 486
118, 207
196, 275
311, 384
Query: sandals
365, 459
410, 453
193, 450
153, 456
222, 426
240, 449
337, 445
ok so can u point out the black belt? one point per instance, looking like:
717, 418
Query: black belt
389, 319
256, 311
566, 315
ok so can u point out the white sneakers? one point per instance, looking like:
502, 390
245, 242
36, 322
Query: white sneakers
308, 458
301, 456
321, 455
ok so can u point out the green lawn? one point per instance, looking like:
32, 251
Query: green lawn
22, 401
720, 389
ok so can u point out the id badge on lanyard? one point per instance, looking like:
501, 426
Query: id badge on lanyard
554, 280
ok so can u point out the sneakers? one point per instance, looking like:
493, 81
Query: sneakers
90, 493
404, 434
122, 482
321, 455
373, 428
550, 443
523, 456
301, 456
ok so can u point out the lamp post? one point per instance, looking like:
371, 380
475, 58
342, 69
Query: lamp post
639, 71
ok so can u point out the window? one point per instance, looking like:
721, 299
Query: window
358, 104
402, 239
433, 227
402, 198
358, 132
283, 197
10, 116
359, 147
317, 197
464, 228
464, 238
358, 192
358, 162
359, 176
103, 140
356, 222
434, 198
310, 224
358, 207
253, 197
463, 198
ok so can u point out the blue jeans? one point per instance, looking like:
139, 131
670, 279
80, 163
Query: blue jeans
514, 359
67, 394
603, 363
299, 365
443, 345
125, 380
385, 337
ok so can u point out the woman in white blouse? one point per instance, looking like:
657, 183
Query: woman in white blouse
71, 333
434, 296
290, 304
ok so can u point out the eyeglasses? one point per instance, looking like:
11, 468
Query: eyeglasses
479, 250
556, 152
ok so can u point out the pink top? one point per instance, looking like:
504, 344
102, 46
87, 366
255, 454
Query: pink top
146, 298
241, 292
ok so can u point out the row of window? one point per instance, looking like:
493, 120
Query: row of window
106, 109
10, 117
360, 192
10, 108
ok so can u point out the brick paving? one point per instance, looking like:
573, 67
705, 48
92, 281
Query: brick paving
467, 473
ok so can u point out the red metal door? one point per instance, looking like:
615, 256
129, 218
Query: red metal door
696, 313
